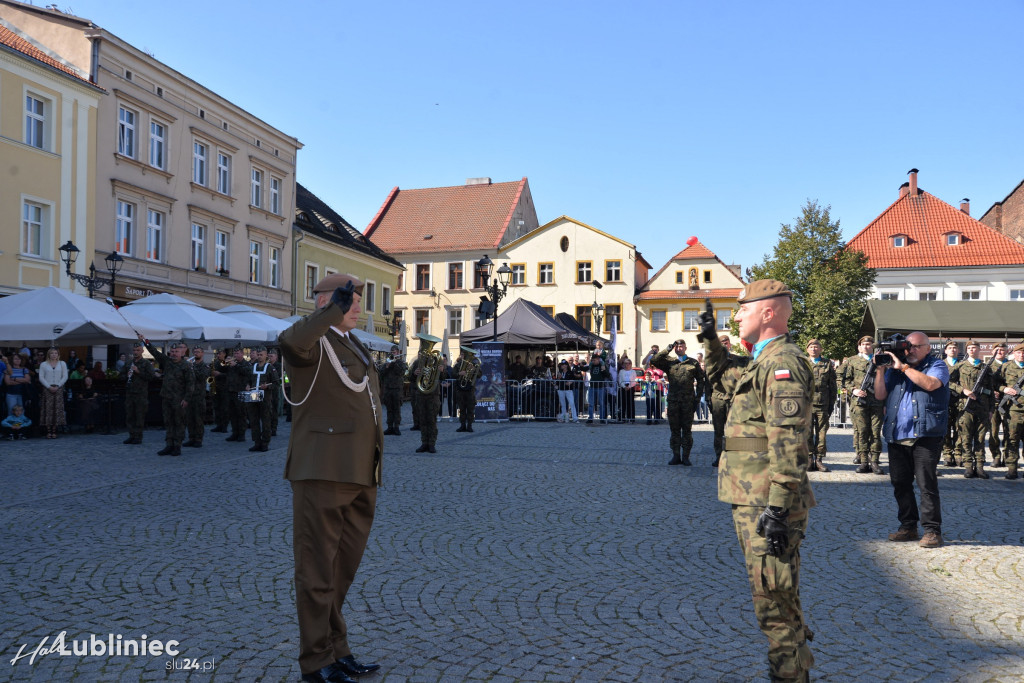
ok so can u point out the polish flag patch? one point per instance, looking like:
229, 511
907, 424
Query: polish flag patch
782, 374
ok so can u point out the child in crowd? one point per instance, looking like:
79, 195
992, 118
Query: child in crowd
16, 424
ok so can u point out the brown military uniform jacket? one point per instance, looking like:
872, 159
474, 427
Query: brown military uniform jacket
766, 445
336, 433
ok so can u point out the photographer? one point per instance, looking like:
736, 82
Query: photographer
915, 388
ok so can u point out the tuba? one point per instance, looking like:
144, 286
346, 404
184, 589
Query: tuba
430, 361
470, 366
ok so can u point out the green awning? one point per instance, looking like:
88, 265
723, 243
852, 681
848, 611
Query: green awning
1002, 319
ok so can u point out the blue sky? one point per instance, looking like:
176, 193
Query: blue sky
652, 121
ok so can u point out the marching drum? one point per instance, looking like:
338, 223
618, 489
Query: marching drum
253, 396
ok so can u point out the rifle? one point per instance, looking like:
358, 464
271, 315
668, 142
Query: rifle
1007, 400
868, 383
979, 383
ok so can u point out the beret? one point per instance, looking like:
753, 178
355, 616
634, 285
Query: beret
1018, 347
813, 341
332, 282
763, 289
866, 338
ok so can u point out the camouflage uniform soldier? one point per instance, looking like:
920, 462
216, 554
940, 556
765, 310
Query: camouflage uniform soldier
823, 402
197, 401
219, 391
997, 423
276, 395
1010, 374
866, 412
261, 413
392, 380
237, 378
427, 405
951, 443
685, 386
723, 380
136, 394
465, 396
175, 391
975, 409
415, 396
763, 472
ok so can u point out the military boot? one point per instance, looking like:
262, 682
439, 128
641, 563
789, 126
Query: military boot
969, 472
812, 463
167, 450
864, 468
858, 460
950, 460
997, 461
821, 464
686, 458
1011, 471
982, 474
675, 458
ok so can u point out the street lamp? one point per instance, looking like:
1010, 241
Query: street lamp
596, 309
392, 319
69, 254
496, 288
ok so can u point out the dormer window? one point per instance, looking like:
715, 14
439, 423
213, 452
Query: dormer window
953, 239
899, 241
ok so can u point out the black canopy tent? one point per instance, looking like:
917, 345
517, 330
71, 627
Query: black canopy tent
525, 324
573, 325
997, 319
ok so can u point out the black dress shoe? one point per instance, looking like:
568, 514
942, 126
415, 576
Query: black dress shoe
331, 673
353, 668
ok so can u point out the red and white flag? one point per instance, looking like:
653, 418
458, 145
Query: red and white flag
782, 374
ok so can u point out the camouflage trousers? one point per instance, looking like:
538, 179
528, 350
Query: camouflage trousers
995, 426
719, 411
135, 408
426, 413
415, 398
973, 426
392, 400
238, 413
466, 402
819, 418
867, 432
775, 587
1014, 436
261, 417
950, 444
222, 409
680, 426
174, 421
196, 418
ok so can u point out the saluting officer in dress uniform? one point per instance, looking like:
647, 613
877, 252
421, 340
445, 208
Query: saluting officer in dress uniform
951, 443
997, 422
392, 379
239, 370
763, 473
262, 378
136, 393
197, 401
219, 391
866, 411
822, 403
975, 409
1011, 373
465, 393
685, 386
175, 391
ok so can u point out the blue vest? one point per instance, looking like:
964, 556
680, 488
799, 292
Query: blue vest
930, 408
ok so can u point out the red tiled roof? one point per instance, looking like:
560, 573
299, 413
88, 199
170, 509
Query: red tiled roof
926, 220
16, 42
457, 218
696, 251
724, 293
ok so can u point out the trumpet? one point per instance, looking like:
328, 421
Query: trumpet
430, 361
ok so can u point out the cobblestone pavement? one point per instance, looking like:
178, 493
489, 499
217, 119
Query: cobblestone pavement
532, 552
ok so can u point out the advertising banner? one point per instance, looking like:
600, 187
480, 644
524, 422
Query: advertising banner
491, 401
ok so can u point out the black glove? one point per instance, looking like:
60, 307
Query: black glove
706, 322
773, 527
342, 296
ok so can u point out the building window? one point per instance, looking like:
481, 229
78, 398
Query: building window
889, 296
401, 282
613, 271
690, 321
518, 276
33, 228
479, 276
198, 246
255, 263
422, 322
707, 277
275, 267
722, 318
220, 252
612, 313
659, 321
422, 277
223, 173
972, 295
454, 276
369, 292
927, 296
126, 132
312, 277
385, 299
1017, 295
257, 187
275, 195
679, 277
35, 122
397, 322
550, 310
199, 163
583, 317
899, 241
154, 235
953, 239
454, 321
546, 274
584, 271
123, 228
157, 144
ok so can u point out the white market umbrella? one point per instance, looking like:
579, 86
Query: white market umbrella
257, 318
372, 341
51, 315
194, 321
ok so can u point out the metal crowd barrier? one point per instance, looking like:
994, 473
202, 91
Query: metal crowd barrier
537, 399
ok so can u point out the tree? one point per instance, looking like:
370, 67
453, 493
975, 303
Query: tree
830, 283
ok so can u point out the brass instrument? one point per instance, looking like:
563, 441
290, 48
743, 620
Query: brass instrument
430, 363
470, 365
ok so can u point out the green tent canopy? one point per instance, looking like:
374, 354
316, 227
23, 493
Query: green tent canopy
1000, 319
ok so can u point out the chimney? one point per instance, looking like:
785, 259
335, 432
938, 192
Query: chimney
913, 182
904, 189
478, 181
965, 205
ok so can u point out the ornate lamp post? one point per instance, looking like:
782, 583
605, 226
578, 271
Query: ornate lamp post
496, 288
392, 321
69, 254
597, 311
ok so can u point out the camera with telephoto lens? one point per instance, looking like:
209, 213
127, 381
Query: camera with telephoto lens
897, 344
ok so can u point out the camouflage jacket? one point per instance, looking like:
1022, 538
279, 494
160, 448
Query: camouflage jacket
962, 379
392, 374
137, 382
178, 379
681, 375
766, 444
1009, 374
238, 377
825, 390
201, 371
723, 369
851, 376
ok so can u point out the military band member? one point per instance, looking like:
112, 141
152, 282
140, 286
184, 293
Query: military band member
763, 472
951, 443
997, 423
136, 393
465, 390
866, 411
415, 397
426, 408
392, 378
219, 392
685, 387
175, 391
824, 400
239, 370
727, 367
262, 378
197, 401
974, 408
1009, 374
277, 397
